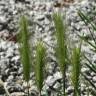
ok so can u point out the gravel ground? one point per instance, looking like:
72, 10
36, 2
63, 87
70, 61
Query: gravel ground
41, 24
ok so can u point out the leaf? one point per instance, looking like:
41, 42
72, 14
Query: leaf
90, 65
92, 45
91, 83
88, 21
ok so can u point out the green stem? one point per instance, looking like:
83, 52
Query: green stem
64, 80
77, 91
64, 85
28, 94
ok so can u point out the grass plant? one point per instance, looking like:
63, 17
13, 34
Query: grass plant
90, 65
25, 54
25, 49
87, 21
61, 54
61, 47
39, 67
76, 69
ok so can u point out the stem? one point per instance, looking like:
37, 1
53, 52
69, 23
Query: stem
64, 85
64, 73
28, 89
75, 93
64, 79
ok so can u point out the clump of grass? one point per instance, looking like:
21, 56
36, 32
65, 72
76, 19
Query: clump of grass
85, 18
87, 21
25, 48
76, 69
61, 48
39, 66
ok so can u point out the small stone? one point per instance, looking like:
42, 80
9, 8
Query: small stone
9, 55
30, 82
9, 52
17, 94
89, 77
47, 22
3, 45
16, 58
94, 79
40, 17
58, 76
70, 89
24, 84
93, 74
84, 2
57, 85
14, 88
50, 80
49, 6
10, 78
84, 69
78, 27
7, 71
33, 91
20, 70
3, 20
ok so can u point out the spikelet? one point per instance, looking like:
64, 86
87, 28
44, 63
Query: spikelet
76, 68
61, 47
25, 48
39, 66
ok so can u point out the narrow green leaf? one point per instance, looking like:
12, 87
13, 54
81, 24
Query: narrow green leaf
91, 83
90, 65
88, 21
87, 41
